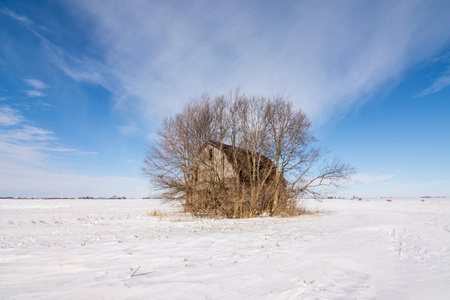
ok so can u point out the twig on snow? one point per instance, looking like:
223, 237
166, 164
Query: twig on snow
134, 272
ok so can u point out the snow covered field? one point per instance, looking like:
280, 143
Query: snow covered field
87, 249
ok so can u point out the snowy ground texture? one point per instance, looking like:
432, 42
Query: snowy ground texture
87, 249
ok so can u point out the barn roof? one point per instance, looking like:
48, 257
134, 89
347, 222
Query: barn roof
242, 160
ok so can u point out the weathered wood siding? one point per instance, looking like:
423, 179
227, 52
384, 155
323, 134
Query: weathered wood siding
214, 167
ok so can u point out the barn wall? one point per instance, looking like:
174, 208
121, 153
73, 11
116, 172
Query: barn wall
216, 169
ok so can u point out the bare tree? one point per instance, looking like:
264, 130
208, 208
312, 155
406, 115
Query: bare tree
299, 165
240, 156
172, 158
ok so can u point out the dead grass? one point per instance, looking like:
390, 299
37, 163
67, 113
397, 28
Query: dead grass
291, 212
299, 211
308, 211
156, 213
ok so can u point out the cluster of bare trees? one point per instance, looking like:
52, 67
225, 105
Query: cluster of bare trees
240, 156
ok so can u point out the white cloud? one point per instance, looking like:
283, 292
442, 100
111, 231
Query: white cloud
43, 104
29, 133
28, 144
35, 93
9, 116
327, 57
79, 68
439, 83
36, 84
26, 154
17, 17
29, 154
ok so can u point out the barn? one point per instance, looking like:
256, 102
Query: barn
226, 172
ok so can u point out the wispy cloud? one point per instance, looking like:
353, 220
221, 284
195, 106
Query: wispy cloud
80, 68
28, 133
21, 142
444, 57
9, 116
327, 57
23, 19
35, 93
42, 104
36, 83
439, 83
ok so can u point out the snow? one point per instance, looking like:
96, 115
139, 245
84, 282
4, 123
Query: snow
87, 249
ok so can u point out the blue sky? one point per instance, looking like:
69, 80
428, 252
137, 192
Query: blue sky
85, 84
